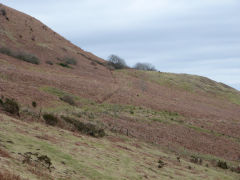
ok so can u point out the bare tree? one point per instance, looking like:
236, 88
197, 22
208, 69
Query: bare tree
145, 67
117, 62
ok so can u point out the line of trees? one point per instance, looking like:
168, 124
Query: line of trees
119, 63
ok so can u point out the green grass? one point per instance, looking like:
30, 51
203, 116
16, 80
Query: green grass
54, 91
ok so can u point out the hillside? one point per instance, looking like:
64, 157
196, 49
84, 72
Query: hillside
147, 116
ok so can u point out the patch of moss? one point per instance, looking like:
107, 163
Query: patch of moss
60, 93
54, 91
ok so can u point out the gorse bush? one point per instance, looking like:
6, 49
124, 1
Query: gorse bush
64, 65
222, 164
66, 62
11, 106
34, 104
27, 57
20, 55
88, 128
117, 62
50, 119
6, 51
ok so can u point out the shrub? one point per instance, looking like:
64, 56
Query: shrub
89, 129
160, 163
50, 119
22, 56
11, 106
101, 133
196, 160
222, 164
117, 62
6, 51
28, 58
64, 65
145, 67
34, 104
70, 61
65, 62
68, 99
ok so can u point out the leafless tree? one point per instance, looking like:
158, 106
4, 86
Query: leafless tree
145, 67
117, 62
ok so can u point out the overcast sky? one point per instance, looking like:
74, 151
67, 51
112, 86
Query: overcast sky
184, 36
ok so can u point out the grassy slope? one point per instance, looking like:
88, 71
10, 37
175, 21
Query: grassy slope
191, 83
113, 157
76, 156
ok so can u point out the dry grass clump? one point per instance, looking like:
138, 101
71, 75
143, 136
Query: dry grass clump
50, 119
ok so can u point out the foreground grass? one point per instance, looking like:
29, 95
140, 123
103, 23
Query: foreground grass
76, 156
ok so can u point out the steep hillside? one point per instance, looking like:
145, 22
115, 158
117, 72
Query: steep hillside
167, 115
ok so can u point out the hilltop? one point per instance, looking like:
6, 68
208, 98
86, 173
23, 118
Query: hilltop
146, 115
